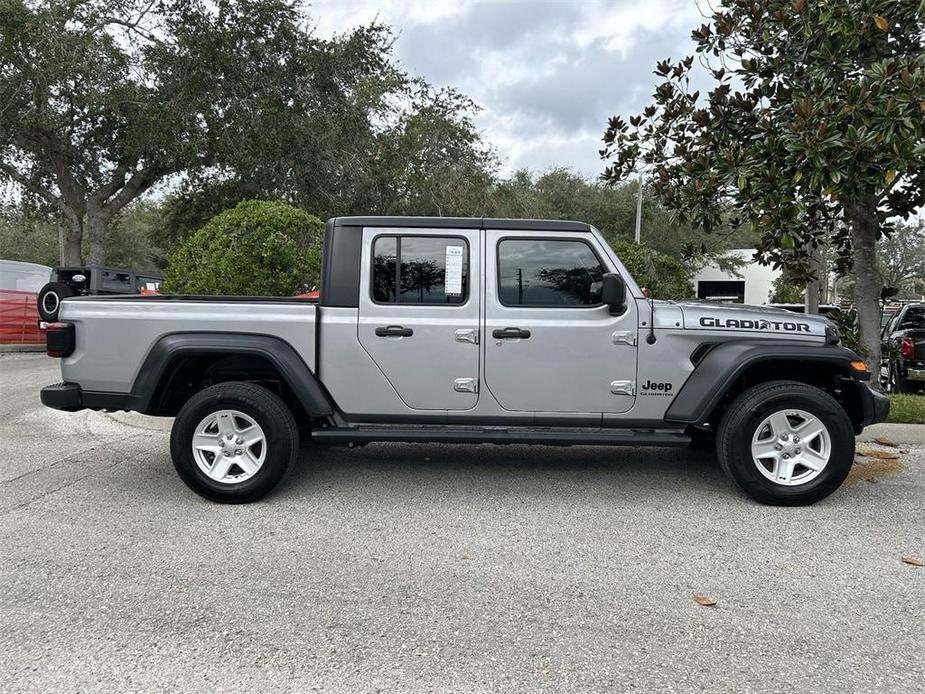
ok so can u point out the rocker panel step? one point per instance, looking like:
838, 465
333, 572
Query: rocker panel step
502, 435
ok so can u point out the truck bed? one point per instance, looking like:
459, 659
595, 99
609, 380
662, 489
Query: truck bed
109, 364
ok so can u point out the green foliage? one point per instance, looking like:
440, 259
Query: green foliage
560, 193
902, 259
258, 248
129, 240
846, 319
665, 277
785, 291
28, 237
907, 408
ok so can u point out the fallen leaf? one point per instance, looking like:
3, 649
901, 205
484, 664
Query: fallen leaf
913, 561
884, 441
705, 600
882, 23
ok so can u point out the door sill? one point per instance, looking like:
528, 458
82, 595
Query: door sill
545, 436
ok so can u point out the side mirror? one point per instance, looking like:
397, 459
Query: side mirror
613, 293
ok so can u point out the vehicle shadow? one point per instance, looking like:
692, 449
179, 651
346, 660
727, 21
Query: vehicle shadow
538, 471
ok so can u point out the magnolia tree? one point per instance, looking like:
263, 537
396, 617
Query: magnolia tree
812, 132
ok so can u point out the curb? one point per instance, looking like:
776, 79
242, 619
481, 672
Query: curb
902, 434
22, 348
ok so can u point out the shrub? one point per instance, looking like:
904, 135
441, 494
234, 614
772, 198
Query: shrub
257, 248
665, 277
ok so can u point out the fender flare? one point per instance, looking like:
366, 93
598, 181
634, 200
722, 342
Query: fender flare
718, 370
164, 353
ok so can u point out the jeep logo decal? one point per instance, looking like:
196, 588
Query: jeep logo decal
656, 388
748, 324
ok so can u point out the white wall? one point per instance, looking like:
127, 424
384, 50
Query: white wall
758, 278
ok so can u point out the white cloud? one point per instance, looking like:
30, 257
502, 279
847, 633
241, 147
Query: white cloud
547, 73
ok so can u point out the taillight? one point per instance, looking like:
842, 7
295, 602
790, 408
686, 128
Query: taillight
59, 338
907, 347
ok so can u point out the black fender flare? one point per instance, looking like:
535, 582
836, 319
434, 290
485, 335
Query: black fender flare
285, 359
718, 370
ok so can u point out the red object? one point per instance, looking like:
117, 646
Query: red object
60, 338
907, 347
20, 284
19, 318
314, 295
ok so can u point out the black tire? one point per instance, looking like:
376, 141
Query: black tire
261, 405
899, 384
49, 299
749, 410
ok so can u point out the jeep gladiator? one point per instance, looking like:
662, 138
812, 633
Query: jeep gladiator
466, 330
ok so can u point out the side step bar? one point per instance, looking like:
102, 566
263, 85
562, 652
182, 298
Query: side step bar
502, 435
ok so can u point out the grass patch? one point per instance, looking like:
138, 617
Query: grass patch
907, 409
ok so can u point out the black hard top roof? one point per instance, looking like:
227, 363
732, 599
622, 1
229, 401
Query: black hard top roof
463, 223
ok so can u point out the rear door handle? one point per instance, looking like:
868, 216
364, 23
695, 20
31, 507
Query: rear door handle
510, 333
394, 331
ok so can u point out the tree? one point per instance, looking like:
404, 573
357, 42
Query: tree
259, 248
812, 133
785, 291
902, 259
663, 276
102, 99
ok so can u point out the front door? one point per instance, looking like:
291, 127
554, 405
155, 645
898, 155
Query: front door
419, 313
550, 343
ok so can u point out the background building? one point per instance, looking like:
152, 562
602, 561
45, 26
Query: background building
752, 286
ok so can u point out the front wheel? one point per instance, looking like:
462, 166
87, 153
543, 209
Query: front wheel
786, 443
233, 442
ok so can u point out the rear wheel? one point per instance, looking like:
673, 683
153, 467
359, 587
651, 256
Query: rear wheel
49, 299
898, 384
786, 443
233, 442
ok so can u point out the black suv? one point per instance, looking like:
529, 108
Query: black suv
92, 280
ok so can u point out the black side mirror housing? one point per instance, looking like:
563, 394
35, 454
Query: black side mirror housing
613, 293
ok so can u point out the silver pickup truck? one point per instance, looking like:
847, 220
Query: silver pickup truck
469, 331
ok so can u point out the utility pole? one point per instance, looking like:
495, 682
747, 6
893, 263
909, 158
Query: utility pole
639, 210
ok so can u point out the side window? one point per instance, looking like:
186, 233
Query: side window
548, 272
914, 318
116, 281
420, 270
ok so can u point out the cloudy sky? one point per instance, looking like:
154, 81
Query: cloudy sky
548, 74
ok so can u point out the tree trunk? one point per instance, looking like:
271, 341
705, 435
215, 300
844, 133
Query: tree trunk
70, 237
96, 236
813, 287
867, 279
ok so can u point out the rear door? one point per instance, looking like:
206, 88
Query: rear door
550, 343
419, 313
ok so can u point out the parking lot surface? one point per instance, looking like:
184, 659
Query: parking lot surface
436, 568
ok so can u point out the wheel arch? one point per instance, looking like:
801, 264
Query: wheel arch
163, 380
731, 367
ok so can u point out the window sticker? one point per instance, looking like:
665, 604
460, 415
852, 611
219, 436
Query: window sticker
454, 270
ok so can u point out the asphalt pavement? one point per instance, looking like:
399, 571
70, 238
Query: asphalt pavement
431, 568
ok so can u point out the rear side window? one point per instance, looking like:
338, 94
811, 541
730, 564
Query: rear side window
116, 281
914, 318
548, 272
420, 270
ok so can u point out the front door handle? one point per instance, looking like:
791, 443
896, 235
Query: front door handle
510, 333
394, 331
